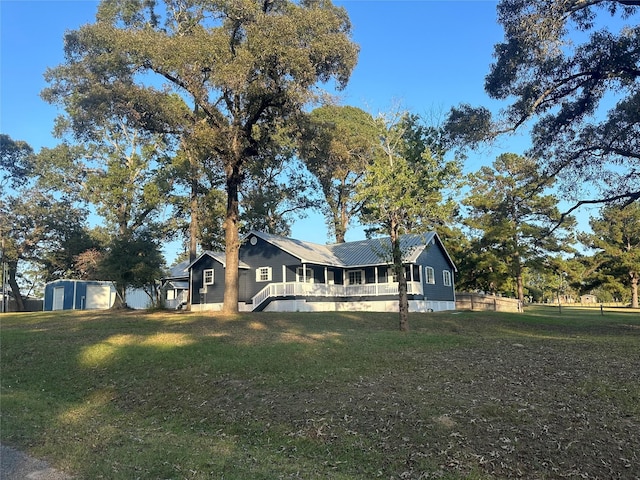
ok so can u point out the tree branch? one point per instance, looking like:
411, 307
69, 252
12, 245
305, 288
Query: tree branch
629, 196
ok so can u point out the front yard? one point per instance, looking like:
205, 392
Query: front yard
325, 395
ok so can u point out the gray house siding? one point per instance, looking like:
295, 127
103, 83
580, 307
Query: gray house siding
212, 293
263, 254
433, 257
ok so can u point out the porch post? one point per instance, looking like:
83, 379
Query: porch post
411, 276
375, 274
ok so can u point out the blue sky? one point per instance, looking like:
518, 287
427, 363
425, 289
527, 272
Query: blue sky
423, 55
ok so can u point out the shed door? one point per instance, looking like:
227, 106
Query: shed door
58, 298
98, 297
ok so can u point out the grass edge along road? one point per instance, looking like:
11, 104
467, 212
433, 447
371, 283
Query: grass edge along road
478, 395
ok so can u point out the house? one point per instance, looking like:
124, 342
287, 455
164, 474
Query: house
284, 274
78, 295
175, 286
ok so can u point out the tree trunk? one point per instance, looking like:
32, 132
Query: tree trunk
336, 209
344, 220
121, 296
519, 281
340, 231
15, 288
232, 242
193, 223
398, 267
634, 290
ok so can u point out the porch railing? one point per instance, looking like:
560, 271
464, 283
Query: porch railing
289, 289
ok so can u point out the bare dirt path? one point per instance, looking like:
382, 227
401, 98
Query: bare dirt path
15, 465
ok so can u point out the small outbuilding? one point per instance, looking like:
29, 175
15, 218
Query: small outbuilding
79, 295
588, 298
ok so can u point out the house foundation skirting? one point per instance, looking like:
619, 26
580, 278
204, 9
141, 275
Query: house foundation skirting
313, 305
217, 307
317, 305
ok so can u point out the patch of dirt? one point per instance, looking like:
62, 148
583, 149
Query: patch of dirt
535, 411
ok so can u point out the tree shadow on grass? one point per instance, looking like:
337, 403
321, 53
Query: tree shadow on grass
169, 395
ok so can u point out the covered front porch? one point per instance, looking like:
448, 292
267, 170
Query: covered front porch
331, 291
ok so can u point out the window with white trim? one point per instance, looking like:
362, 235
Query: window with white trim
446, 277
207, 277
302, 272
355, 277
263, 274
429, 275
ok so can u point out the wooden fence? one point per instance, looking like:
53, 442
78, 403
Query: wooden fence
480, 302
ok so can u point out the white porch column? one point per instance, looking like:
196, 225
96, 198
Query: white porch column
375, 275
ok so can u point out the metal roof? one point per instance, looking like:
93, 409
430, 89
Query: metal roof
377, 251
179, 270
307, 252
373, 251
219, 257
178, 284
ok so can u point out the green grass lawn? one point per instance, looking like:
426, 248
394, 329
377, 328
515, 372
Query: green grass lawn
125, 395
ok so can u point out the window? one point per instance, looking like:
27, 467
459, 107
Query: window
446, 277
429, 275
300, 275
207, 277
263, 274
355, 277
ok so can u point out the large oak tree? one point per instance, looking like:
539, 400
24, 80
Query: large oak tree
230, 71
38, 228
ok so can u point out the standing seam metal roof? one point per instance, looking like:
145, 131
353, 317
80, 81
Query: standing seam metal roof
374, 251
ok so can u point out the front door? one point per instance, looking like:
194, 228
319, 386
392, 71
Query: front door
58, 298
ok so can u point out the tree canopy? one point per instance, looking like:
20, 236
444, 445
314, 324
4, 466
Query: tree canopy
515, 217
39, 228
403, 190
230, 72
16, 162
573, 68
339, 143
616, 236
